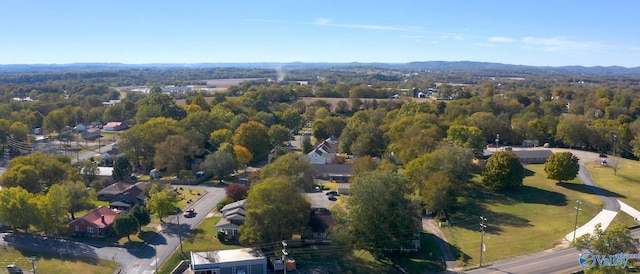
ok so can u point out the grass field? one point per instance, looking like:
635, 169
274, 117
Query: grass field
54, 263
623, 185
532, 218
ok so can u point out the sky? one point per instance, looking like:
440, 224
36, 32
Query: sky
533, 32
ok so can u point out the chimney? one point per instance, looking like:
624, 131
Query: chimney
102, 217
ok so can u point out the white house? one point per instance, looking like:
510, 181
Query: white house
232, 217
324, 152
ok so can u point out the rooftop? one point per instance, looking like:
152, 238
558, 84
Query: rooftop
222, 256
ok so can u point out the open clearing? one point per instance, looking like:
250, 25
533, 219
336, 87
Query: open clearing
532, 218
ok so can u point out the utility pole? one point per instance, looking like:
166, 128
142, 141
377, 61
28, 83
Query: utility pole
482, 227
284, 256
33, 263
179, 234
575, 226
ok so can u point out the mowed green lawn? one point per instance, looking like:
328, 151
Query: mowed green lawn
624, 184
533, 218
54, 263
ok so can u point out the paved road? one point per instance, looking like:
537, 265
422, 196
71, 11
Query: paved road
430, 225
546, 262
133, 261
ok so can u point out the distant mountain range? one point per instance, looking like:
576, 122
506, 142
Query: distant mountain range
427, 65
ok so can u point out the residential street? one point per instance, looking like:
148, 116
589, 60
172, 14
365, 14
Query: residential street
132, 261
557, 261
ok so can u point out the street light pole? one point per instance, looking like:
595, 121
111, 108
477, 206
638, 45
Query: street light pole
575, 226
482, 227
614, 144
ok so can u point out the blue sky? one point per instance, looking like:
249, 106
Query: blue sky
547, 33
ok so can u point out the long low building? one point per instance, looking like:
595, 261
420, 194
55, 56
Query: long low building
233, 261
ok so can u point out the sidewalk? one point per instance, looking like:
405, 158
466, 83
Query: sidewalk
630, 210
604, 218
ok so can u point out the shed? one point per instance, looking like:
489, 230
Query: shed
533, 156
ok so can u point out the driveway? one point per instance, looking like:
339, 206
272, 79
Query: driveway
320, 199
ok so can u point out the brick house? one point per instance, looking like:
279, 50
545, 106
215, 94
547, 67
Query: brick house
97, 223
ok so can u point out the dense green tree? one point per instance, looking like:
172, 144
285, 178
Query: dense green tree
275, 210
238, 120
121, 169
23, 176
126, 224
88, 170
467, 137
202, 123
362, 135
78, 196
573, 131
255, 137
19, 131
37, 170
13, 200
220, 164
503, 170
161, 201
4, 130
295, 167
382, 217
436, 176
562, 166
306, 144
291, 119
330, 126
139, 143
55, 121
172, 154
142, 215
220, 136
201, 102
159, 105
51, 210
363, 164
491, 125
279, 134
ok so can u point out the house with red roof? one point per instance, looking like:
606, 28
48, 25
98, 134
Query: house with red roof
97, 223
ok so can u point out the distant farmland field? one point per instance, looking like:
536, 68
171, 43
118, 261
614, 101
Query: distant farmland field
332, 101
226, 83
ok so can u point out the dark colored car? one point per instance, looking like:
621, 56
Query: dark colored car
332, 198
332, 193
602, 155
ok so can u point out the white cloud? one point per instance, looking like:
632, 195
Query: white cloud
327, 22
322, 21
561, 44
498, 39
